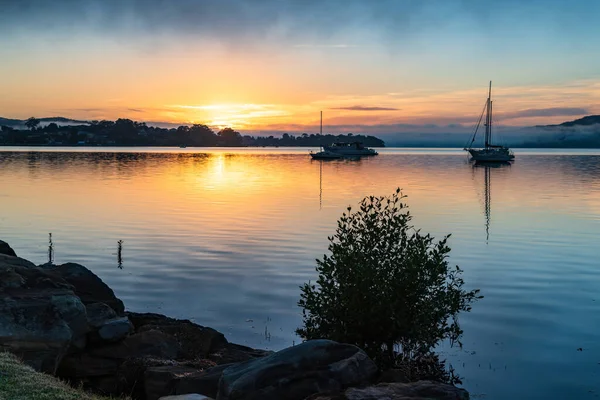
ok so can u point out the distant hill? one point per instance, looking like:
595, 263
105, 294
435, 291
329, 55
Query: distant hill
59, 120
580, 133
585, 121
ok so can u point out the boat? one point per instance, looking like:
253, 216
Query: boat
325, 154
490, 152
351, 149
183, 146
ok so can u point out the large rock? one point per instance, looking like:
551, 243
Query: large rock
143, 344
38, 325
204, 382
297, 372
423, 390
8, 260
115, 329
98, 314
6, 249
160, 381
196, 341
88, 286
231, 353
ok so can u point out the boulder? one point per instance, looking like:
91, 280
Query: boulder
144, 344
196, 341
297, 372
234, 353
115, 329
186, 397
78, 366
72, 311
36, 325
10, 279
98, 314
88, 286
422, 390
6, 249
8, 260
160, 381
206, 382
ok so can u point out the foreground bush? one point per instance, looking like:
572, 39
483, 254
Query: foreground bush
385, 287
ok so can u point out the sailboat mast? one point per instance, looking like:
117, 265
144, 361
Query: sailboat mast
321, 130
488, 118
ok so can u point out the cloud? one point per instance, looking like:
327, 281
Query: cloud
243, 20
136, 110
365, 108
546, 112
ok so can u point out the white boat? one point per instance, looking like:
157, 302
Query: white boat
491, 152
350, 149
326, 155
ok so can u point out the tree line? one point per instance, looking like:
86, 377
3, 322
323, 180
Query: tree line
126, 132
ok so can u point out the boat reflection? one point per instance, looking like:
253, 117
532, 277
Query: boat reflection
487, 168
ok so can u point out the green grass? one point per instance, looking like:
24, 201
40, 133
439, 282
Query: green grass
21, 382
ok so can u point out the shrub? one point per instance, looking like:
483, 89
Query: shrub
385, 286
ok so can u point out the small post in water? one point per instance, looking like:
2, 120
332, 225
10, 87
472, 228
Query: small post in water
119, 254
50, 250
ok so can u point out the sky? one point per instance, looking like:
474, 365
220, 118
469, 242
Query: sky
372, 66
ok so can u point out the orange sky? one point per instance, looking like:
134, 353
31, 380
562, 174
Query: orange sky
274, 68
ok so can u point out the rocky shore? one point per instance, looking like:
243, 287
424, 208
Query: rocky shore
64, 321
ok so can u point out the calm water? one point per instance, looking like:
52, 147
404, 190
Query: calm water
225, 237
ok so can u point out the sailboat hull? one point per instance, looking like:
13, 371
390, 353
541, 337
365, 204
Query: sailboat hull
491, 155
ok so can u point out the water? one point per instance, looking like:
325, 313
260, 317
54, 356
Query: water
224, 237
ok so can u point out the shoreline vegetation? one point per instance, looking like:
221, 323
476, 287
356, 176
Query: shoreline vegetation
125, 132
385, 297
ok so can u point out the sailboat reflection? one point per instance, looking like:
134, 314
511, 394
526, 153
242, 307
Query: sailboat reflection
320, 184
487, 168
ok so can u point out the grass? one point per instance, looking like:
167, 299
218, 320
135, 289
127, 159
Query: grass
21, 382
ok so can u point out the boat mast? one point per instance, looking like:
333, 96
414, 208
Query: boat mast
488, 119
321, 130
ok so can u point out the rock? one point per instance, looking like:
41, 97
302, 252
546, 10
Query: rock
297, 372
8, 260
132, 371
196, 341
6, 249
206, 382
115, 329
72, 311
235, 353
186, 397
10, 279
85, 366
33, 325
88, 286
144, 344
393, 376
160, 381
98, 314
423, 390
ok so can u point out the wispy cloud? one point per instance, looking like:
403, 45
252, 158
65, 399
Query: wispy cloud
365, 108
326, 46
546, 112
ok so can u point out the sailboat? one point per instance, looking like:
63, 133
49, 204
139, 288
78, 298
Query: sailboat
325, 154
491, 152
